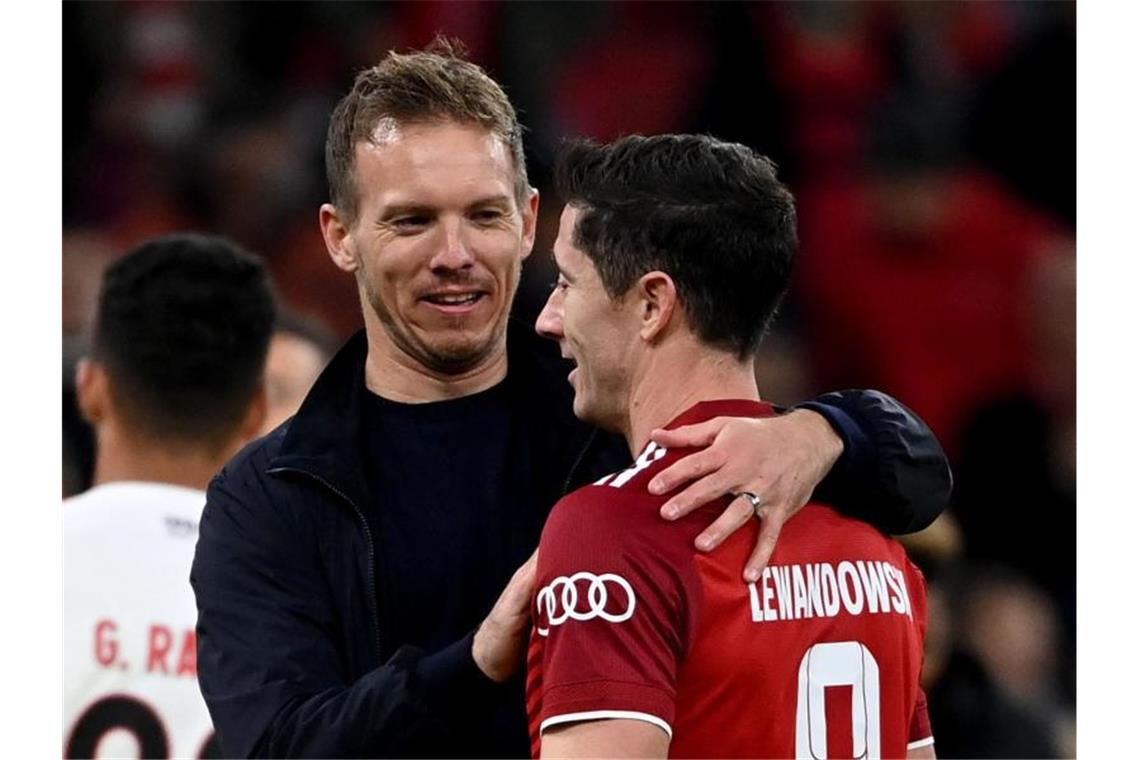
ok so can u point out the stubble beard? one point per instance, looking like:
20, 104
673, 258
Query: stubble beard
444, 357
606, 405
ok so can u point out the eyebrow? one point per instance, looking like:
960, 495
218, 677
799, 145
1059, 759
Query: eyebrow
402, 209
491, 200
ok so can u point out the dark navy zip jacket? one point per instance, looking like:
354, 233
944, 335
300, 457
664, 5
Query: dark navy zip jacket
288, 630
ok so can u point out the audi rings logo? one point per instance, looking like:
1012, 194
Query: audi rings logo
565, 597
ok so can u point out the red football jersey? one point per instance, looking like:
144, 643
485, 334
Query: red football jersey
819, 658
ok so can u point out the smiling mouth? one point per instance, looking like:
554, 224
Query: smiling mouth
573, 365
454, 299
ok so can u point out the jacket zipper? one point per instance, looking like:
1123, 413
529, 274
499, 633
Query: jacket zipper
368, 541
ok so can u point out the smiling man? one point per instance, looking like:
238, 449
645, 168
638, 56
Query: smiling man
673, 253
348, 560
436, 241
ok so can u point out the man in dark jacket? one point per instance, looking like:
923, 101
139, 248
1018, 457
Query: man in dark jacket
345, 561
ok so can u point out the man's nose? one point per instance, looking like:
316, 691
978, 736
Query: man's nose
454, 252
549, 322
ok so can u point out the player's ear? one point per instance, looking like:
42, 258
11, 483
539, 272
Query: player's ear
529, 211
335, 230
657, 302
91, 390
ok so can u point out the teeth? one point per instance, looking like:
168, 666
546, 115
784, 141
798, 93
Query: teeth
454, 298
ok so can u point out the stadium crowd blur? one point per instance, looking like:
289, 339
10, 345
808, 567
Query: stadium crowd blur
931, 147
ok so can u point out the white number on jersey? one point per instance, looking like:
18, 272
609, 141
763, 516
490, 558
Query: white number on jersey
652, 453
842, 663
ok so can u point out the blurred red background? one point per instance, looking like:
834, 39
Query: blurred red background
931, 147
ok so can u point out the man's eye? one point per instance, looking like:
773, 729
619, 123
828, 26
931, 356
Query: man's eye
559, 284
488, 215
406, 222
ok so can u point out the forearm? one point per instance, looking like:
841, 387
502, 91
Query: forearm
405, 706
276, 669
925, 752
616, 737
893, 472
377, 715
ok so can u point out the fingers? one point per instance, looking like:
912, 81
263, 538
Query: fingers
528, 567
738, 513
499, 642
687, 469
698, 435
699, 493
770, 526
523, 583
521, 586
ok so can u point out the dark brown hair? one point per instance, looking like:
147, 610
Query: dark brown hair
183, 328
710, 214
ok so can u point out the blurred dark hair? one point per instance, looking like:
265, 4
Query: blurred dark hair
710, 214
310, 329
182, 328
434, 85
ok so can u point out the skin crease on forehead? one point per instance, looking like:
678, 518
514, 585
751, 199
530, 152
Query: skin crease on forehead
437, 218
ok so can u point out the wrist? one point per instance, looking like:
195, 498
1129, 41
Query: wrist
827, 443
482, 653
449, 682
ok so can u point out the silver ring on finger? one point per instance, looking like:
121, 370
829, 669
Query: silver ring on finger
756, 502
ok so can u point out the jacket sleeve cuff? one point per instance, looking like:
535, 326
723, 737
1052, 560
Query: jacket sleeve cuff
894, 474
858, 455
450, 678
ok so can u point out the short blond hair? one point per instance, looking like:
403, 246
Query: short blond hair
431, 85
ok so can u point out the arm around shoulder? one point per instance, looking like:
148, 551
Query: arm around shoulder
893, 472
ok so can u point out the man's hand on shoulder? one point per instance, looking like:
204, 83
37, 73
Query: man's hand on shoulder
500, 643
780, 460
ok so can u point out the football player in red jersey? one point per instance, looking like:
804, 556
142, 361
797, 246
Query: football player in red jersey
673, 253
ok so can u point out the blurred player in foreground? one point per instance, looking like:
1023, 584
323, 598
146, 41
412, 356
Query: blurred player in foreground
299, 350
673, 254
173, 388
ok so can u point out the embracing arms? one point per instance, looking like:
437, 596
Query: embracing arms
860, 450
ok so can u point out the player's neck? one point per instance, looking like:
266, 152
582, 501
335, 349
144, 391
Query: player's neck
679, 376
391, 373
123, 455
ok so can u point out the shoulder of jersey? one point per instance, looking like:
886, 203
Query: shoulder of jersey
622, 497
822, 522
635, 478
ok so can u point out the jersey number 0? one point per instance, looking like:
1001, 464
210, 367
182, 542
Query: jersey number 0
842, 664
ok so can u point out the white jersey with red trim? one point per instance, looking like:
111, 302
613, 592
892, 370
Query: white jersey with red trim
130, 654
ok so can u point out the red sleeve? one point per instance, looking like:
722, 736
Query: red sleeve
920, 733
612, 609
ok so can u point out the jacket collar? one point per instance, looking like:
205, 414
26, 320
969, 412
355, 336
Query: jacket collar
325, 438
